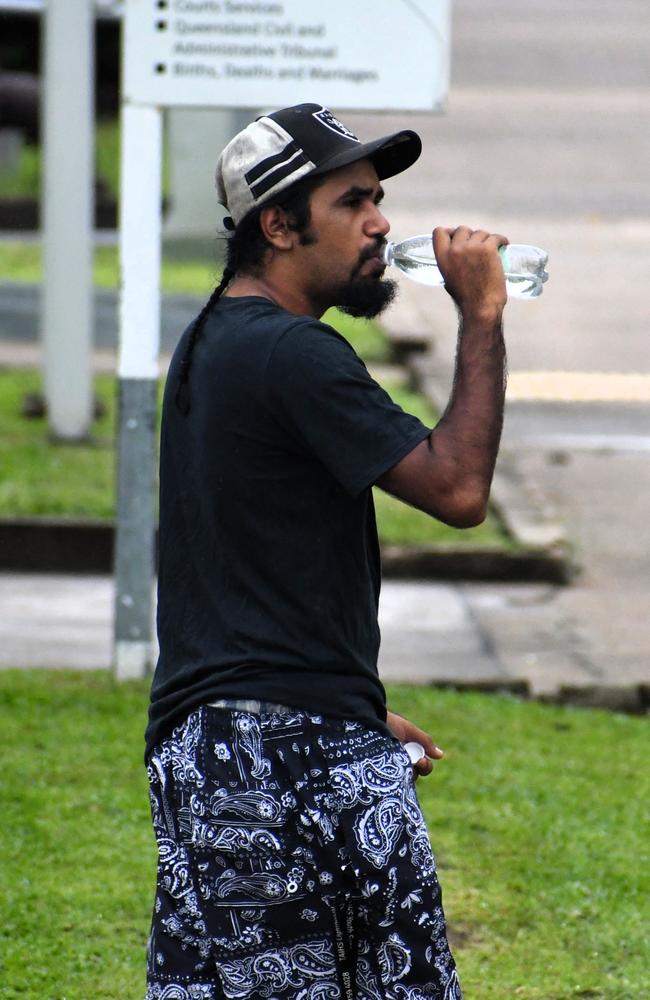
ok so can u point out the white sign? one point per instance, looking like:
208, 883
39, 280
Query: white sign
379, 55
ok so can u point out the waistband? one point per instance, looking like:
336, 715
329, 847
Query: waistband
251, 705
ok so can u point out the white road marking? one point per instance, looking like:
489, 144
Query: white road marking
582, 387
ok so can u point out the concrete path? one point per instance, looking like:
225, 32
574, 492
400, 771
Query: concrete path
468, 635
65, 621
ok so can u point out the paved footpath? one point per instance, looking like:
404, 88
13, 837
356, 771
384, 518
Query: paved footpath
513, 637
430, 630
65, 621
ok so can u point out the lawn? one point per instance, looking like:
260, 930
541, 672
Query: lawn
25, 180
184, 274
539, 816
38, 478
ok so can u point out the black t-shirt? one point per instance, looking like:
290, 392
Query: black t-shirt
269, 568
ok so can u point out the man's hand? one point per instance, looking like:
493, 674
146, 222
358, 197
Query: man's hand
472, 269
407, 732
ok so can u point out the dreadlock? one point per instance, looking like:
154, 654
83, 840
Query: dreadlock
246, 248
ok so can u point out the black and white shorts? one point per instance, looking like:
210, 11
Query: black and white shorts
294, 864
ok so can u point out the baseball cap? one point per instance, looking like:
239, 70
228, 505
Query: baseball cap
280, 148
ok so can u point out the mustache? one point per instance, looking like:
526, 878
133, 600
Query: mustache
375, 251
371, 253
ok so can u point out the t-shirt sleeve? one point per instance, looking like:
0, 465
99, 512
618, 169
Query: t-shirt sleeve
323, 394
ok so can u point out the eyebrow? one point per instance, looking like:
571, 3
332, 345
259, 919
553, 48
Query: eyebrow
363, 192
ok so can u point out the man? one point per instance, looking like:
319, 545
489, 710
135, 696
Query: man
294, 862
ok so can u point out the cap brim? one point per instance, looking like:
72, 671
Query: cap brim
390, 155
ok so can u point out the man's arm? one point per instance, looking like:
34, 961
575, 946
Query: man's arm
449, 474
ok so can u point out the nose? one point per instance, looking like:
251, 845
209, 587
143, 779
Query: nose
377, 224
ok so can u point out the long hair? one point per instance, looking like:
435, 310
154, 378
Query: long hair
246, 249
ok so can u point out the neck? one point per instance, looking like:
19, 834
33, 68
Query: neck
283, 293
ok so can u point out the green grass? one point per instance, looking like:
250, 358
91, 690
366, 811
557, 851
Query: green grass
22, 262
25, 180
75, 813
107, 155
38, 477
538, 815
541, 817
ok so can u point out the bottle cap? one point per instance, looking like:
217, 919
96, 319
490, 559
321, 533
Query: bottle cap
415, 751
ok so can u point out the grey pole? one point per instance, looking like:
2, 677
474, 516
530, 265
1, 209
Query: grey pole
66, 314
140, 225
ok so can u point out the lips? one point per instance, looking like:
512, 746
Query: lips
374, 263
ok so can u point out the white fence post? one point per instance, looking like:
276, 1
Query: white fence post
66, 307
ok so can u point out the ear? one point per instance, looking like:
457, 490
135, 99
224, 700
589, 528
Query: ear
274, 224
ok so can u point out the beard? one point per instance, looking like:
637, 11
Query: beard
366, 296
361, 296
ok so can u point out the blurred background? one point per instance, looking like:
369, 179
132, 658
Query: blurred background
545, 138
539, 814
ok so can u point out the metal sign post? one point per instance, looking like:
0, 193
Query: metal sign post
138, 382
388, 55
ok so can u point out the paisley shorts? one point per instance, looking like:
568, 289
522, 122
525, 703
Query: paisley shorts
293, 864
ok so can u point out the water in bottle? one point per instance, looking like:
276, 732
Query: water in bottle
524, 265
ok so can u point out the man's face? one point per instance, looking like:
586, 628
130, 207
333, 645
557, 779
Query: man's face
341, 251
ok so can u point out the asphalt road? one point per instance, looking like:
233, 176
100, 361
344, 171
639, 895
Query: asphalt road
547, 139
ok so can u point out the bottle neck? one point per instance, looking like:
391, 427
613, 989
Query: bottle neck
389, 253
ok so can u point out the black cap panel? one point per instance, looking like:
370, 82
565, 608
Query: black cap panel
390, 155
329, 144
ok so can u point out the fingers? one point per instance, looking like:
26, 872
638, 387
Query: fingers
433, 752
424, 766
441, 238
430, 748
407, 732
495, 240
471, 268
460, 234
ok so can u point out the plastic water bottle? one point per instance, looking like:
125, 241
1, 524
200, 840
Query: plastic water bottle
524, 265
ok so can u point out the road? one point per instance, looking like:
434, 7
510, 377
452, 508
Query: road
547, 139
